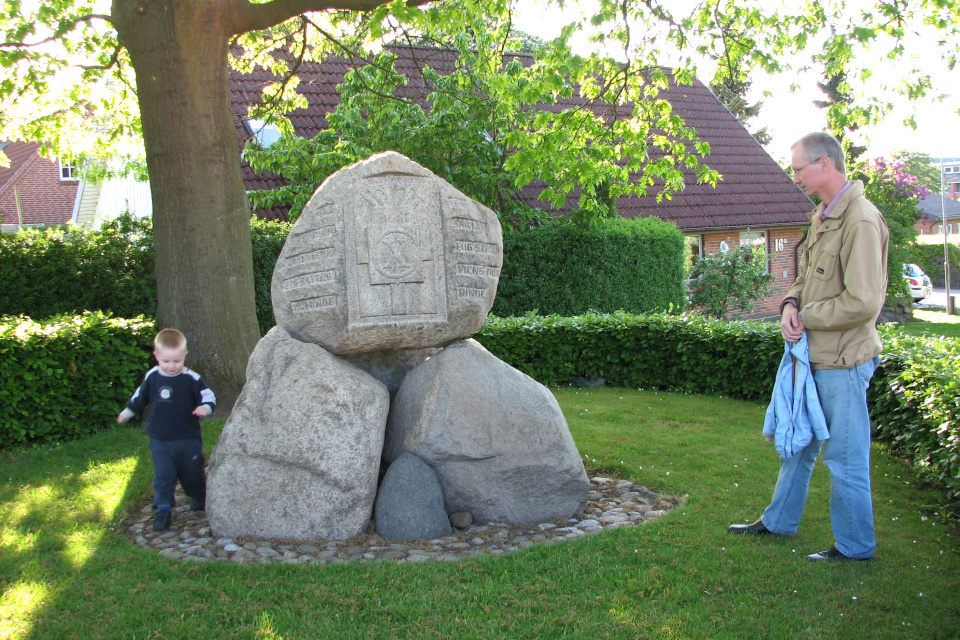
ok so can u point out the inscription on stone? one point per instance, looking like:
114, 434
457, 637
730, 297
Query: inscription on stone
466, 224
311, 256
387, 256
396, 274
471, 294
463, 246
314, 304
309, 280
477, 270
314, 235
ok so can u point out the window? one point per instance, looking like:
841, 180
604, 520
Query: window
694, 245
68, 172
758, 240
266, 134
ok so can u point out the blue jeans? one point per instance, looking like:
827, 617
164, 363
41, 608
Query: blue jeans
843, 396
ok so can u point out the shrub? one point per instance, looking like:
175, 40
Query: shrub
729, 280
53, 271
69, 375
683, 353
930, 258
630, 265
915, 399
268, 239
45, 272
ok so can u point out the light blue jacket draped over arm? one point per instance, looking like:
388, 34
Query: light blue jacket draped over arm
794, 416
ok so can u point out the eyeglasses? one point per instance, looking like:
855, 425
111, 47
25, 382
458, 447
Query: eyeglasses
796, 172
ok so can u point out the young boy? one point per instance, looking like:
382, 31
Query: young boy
178, 399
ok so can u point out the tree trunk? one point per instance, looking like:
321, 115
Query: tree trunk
201, 217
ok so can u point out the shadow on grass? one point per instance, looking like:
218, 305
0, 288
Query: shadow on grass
58, 505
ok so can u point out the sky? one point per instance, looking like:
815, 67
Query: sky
789, 115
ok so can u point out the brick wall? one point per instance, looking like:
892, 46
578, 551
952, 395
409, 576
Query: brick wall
781, 251
44, 198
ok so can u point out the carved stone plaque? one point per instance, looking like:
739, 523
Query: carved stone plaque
386, 255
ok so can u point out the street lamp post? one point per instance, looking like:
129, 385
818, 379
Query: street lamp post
946, 245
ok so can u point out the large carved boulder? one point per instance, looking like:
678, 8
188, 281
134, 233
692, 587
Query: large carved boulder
300, 454
386, 255
495, 436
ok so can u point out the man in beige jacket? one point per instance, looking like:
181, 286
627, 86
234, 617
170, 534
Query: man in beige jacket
837, 296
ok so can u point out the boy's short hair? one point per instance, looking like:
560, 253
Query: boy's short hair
170, 339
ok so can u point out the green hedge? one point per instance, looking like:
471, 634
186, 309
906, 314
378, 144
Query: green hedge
915, 404
683, 353
268, 239
629, 265
930, 258
45, 272
69, 375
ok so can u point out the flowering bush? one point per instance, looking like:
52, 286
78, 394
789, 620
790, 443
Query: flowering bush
887, 182
896, 193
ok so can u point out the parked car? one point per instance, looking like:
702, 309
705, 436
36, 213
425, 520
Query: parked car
919, 283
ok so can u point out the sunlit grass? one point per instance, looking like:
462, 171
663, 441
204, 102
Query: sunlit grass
18, 605
67, 572
933, 323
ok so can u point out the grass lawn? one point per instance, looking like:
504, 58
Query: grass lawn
65, 572
933, 323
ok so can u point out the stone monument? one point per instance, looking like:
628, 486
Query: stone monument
386, 265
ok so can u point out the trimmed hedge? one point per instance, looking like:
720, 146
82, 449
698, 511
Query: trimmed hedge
46, 272
930, 258
684, 353
268, 239
915, 404
631, 265
615, 265
69, 375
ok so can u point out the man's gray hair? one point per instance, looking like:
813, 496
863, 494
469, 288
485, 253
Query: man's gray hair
819, 144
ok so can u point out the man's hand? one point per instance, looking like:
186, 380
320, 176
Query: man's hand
201, 411
791, 328
121, 419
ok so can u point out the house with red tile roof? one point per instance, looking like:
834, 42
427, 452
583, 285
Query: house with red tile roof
36, 190
756, 202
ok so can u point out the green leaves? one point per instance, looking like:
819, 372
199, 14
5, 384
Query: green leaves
729, 281
69, 375
44, 272
915, 402
682, 353
611, 265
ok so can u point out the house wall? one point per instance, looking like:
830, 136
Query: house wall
44, 198
782, 258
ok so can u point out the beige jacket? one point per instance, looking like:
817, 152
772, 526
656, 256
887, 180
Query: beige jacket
842, 282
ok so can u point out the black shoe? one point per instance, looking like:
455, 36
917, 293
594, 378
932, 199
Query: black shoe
832, 554
161, 520
756, 528
198, 504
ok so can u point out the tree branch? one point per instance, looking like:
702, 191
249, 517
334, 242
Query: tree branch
256, 17
103, 67
59, 33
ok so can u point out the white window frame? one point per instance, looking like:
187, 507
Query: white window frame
69, 172
757, 239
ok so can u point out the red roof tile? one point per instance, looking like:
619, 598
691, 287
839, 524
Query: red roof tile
18, 153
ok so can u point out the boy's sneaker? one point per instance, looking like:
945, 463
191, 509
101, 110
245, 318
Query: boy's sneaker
161, 520
198, 504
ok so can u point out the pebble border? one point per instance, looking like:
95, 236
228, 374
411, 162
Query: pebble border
611, 504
